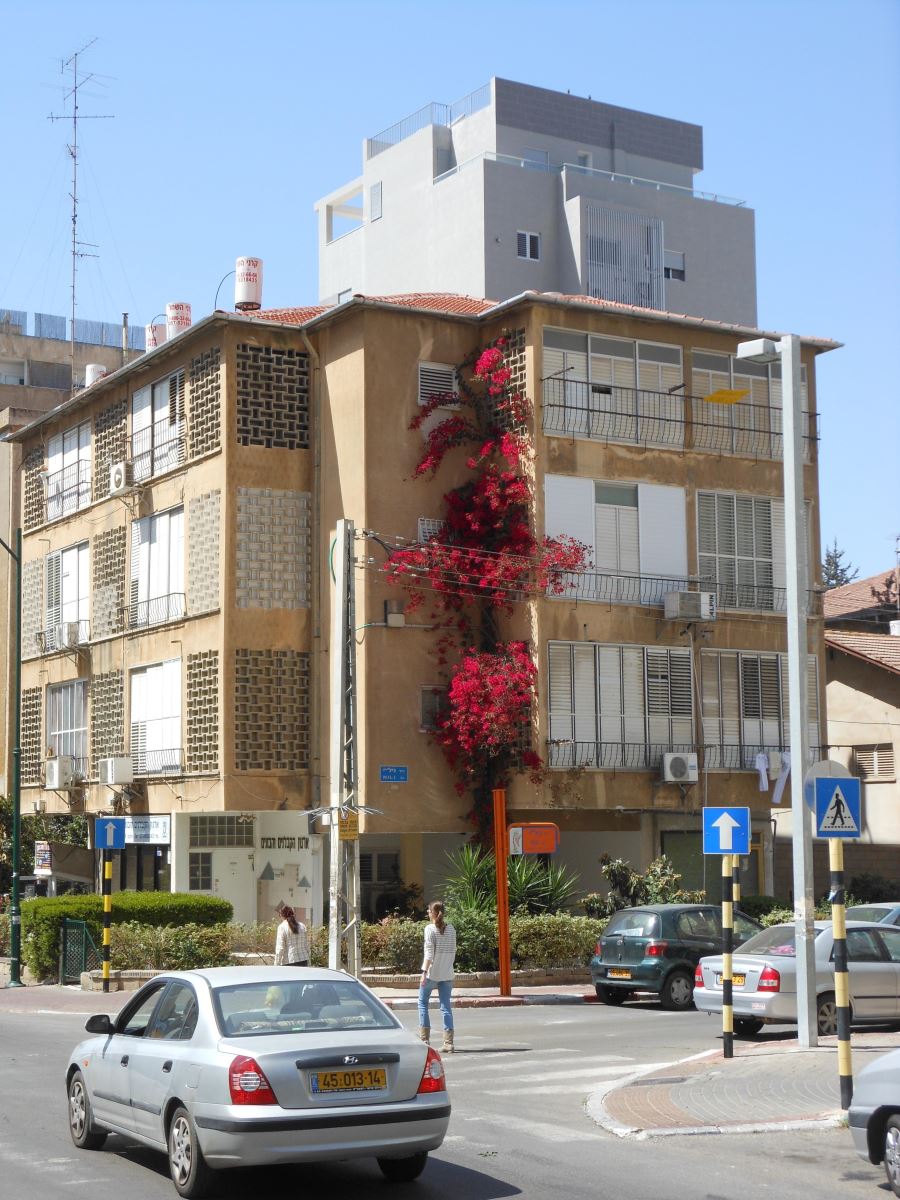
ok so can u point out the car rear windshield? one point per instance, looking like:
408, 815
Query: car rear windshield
632, 922
298, 1006
778, 940
866, 912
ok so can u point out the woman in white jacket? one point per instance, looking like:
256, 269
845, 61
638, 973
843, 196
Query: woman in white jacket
437, 971
291, 944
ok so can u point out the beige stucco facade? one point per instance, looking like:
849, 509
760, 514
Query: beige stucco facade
280, 432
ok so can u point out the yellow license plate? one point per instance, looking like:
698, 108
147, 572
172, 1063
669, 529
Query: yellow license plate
363, 1079
619, 973
736, 980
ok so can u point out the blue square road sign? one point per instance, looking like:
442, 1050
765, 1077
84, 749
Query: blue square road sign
109, 833
726, 831
838, 808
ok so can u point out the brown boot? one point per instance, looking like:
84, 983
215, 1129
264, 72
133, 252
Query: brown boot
447, 1047
425, 1034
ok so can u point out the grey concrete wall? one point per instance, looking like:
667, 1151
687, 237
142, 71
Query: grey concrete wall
561, 150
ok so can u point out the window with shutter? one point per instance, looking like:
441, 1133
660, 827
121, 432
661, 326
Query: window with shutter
429, 529
528, 245
156, 719
157, 426
67, 722
874, 762
69, 471
66, 597
375, 202
737, 538
157, 569
437, 381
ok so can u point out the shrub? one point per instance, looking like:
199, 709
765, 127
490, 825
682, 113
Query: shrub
403, 944
4, 933
758, 906
868, 888
553, 941
256, 938
534, 886
137, 947
42, 919
476, 939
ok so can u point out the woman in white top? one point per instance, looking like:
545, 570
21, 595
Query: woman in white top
291, 945
437, 971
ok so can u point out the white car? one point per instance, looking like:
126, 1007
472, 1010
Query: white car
245, 1066
764, 978
874, 1115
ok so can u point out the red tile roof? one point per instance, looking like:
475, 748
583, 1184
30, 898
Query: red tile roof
445, 302
879, 648
855, 597
291, 316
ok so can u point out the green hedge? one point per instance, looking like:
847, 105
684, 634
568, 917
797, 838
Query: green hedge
138, 947
42, 919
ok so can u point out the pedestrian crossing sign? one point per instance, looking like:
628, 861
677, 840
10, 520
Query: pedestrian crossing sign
838, 808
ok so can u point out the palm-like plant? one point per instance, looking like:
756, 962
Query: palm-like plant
534, 886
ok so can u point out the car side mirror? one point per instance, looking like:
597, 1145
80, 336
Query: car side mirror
99, 1023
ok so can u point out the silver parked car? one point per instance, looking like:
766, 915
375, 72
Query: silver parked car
874, 1115
885, 912
244, 1066
764, 978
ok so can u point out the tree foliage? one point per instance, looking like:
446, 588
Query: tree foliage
71, 828
660, 884
835, 572
535, 886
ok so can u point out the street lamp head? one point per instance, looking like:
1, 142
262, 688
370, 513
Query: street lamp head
762, 350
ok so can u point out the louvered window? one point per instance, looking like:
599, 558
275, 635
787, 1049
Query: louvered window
528, 245
437, 381
753, 425
745, 707
618, 706
157, 569
157, 426
429, 529
616, 542
66, 598
69, 471
375, 202
156, 747
874, 762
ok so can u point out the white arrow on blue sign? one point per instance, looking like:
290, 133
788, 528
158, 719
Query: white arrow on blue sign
726, 831
838, 808
109, 833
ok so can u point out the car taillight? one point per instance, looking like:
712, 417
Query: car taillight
598, 950
248, 1084
769, 980
433, 1075
698, 977
656, 949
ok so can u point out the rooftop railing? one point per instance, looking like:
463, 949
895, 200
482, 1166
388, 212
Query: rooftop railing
430, 114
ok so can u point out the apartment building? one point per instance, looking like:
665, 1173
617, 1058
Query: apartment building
516, 188
177, 597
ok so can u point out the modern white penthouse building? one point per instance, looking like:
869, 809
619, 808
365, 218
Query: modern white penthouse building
517, 188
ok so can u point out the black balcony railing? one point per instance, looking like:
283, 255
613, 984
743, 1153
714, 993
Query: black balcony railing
718, 756
69, 490
157, 611
629, 756
158, 762
609, 413
157, 448
606, 587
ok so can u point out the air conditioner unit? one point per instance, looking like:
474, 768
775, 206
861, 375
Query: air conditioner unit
690, 606
114, 772
68, 635
59, 773
121, 478
680, 768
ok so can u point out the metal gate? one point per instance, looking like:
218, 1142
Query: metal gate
77, 951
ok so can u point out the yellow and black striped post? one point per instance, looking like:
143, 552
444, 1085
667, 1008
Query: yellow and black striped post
107, 912
841, 977
727, 952
736, 880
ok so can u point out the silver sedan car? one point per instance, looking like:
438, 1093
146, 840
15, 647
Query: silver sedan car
764, 978
874, 1116
244, 1066
885, 912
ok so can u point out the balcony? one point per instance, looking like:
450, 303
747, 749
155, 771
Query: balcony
157, 763
722, 757
634, 416
157, 611
644, 756
157, 448
623, 588
68, 490
67, 635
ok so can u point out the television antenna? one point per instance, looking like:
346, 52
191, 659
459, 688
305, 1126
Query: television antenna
79, 249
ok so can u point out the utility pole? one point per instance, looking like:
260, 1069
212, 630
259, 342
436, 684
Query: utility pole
343, 794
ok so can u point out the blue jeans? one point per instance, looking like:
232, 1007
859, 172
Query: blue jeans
445, 988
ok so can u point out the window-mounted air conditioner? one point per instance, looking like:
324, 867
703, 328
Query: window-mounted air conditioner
114, 772
690, 606
679, 767
121, 478
68, 635
59, 773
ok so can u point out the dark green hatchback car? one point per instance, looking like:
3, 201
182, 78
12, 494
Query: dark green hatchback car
655, 948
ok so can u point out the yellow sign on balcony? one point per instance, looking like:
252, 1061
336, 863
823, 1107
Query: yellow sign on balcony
727, 395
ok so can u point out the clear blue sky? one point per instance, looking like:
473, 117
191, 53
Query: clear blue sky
231, 118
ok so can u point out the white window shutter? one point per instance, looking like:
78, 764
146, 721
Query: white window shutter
560, 690
141, 416
706, 535
663, 536
633, 693
53, 596
84, 591
522, 244
584, 693
629, 540
606, 538
569, 509
609, 661
437, 380
140, 565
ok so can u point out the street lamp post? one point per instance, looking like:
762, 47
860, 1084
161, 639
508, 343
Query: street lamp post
15, 914
763, 350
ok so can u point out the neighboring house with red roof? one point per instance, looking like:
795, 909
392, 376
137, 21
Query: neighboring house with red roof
862, 670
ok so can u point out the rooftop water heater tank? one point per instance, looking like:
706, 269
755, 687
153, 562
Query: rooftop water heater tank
178, 318
248, 278
93, 372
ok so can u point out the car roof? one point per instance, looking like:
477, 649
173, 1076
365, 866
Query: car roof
664, 908
885, 905
217, 977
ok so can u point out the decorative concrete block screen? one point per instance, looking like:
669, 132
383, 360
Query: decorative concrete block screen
109, 582
110, 444
272, 397
33, 491
31, 735
203, 556
205, 403
32, 607
203, 711
271, 710
107, 716
515, 360
273, 549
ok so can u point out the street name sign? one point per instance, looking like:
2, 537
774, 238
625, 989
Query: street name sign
726, 831
109, 833
838, 808
394, 774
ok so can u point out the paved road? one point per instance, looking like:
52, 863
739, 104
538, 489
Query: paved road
519, 1128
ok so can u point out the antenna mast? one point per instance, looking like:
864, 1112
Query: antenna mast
71, 64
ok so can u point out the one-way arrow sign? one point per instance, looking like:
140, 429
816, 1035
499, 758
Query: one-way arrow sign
109, 833
726, 831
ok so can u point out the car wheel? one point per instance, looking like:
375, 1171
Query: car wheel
747, 1026
85, 1134
403, 1170
187, 1166
892, 1153
677, 992
613, 996
826, 1014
